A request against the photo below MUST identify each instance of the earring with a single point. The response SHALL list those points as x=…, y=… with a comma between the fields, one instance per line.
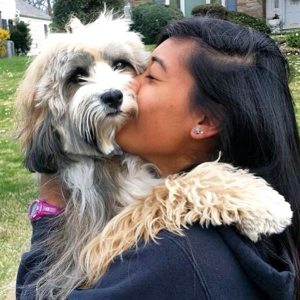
x=197, y=130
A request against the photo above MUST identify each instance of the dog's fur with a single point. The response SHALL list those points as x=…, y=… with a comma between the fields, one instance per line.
x=67, y=129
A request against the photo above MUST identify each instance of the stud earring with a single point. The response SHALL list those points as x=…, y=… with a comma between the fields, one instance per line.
x=197, y=130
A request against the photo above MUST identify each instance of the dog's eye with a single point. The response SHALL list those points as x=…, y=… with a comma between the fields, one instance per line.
x=78, y=74
x=122, y=64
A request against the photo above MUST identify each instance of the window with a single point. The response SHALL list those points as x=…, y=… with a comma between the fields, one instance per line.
x=4, y=24
x=10, y=24
x=46, y=30
x=276, y=3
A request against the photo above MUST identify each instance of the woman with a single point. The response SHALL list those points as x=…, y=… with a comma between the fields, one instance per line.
x=211, y=86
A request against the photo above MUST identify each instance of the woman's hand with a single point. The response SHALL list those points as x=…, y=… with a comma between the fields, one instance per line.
x=51, y=189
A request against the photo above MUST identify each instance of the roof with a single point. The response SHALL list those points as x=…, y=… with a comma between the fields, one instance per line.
x=27, y=10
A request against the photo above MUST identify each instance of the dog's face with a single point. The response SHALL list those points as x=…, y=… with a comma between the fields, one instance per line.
x=76, y=94
x=93, y=86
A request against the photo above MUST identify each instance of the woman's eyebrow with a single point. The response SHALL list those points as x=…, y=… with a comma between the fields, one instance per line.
x=160, y=62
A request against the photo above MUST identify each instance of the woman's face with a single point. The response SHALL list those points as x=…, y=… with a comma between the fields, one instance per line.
x=162, y=131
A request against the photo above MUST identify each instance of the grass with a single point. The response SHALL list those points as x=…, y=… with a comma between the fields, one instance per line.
x=150, y=47
x=18, y=187
x=295, y=83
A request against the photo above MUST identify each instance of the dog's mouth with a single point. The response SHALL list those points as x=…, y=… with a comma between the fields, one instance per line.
x=130, y=114
x=114, y=113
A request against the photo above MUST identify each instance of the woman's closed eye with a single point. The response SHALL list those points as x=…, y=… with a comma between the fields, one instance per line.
x=149, y=76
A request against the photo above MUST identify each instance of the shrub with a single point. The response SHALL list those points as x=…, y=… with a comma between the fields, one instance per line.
x=4, y=35
x=148, y=19
x=20, y=35
x=293, y=39
x=218, y=11
x=246, y=20
x=212, y=10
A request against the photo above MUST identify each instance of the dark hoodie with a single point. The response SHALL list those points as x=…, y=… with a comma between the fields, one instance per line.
x=206, y=263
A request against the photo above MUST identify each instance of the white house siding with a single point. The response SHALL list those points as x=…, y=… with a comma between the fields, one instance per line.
x=37, y=32
x=292, y=14
x=288, y=10
x=8, y=9
x=8, y=12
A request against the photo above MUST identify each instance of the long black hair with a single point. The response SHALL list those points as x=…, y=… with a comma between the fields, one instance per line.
x=241, y=77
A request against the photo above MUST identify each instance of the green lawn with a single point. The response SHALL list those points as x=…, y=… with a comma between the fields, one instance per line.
x=295, y=83
x=17, y=186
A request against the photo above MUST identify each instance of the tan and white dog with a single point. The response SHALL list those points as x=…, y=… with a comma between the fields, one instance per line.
x=74, y=98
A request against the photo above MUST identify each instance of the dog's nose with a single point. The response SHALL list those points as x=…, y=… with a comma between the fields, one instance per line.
x=113, y=98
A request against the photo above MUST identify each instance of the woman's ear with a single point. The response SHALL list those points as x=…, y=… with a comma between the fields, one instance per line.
x=205, y=128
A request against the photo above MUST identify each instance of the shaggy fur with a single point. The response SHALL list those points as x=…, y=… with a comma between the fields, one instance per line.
x=68, y=125
x=211, y=194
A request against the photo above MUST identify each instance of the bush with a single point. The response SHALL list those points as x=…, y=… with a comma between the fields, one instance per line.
x=246, y=20
x=20, y=35
x=293, y=39
x=148, y=19
x=4, y=35
x=212, y=10
x=218, y=11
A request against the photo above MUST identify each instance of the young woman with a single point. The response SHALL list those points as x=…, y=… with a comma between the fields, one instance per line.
x=210, y=86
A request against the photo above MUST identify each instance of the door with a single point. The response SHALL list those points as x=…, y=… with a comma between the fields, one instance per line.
x=231, y=5
x=292, y=14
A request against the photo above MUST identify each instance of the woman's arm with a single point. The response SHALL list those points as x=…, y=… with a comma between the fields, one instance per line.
x=30, y=266
x=51, y=189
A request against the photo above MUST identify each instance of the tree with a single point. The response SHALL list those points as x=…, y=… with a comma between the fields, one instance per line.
x=20, y=35
x=44, y=5
x=86, y=10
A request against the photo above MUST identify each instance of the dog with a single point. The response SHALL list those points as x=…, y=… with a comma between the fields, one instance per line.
x=76, y=95
x=74, y=98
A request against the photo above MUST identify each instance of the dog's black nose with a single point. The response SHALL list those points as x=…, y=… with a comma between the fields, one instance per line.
x=113, y=98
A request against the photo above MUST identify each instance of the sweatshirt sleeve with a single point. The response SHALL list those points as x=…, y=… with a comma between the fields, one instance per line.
x=152, y=271
x=160, y=270
x=28, y=271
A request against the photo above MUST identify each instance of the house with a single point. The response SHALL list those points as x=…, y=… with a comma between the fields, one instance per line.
x=38, y=21
x=288, y=10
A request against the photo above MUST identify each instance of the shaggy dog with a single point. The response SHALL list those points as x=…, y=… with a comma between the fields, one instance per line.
x=75, y=96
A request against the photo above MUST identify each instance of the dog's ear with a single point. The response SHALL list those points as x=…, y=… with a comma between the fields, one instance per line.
x=28, y=113
x=39, y=141
x=44, y=152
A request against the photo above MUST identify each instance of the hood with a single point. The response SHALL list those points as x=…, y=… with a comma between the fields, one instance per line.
x=273, y=274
